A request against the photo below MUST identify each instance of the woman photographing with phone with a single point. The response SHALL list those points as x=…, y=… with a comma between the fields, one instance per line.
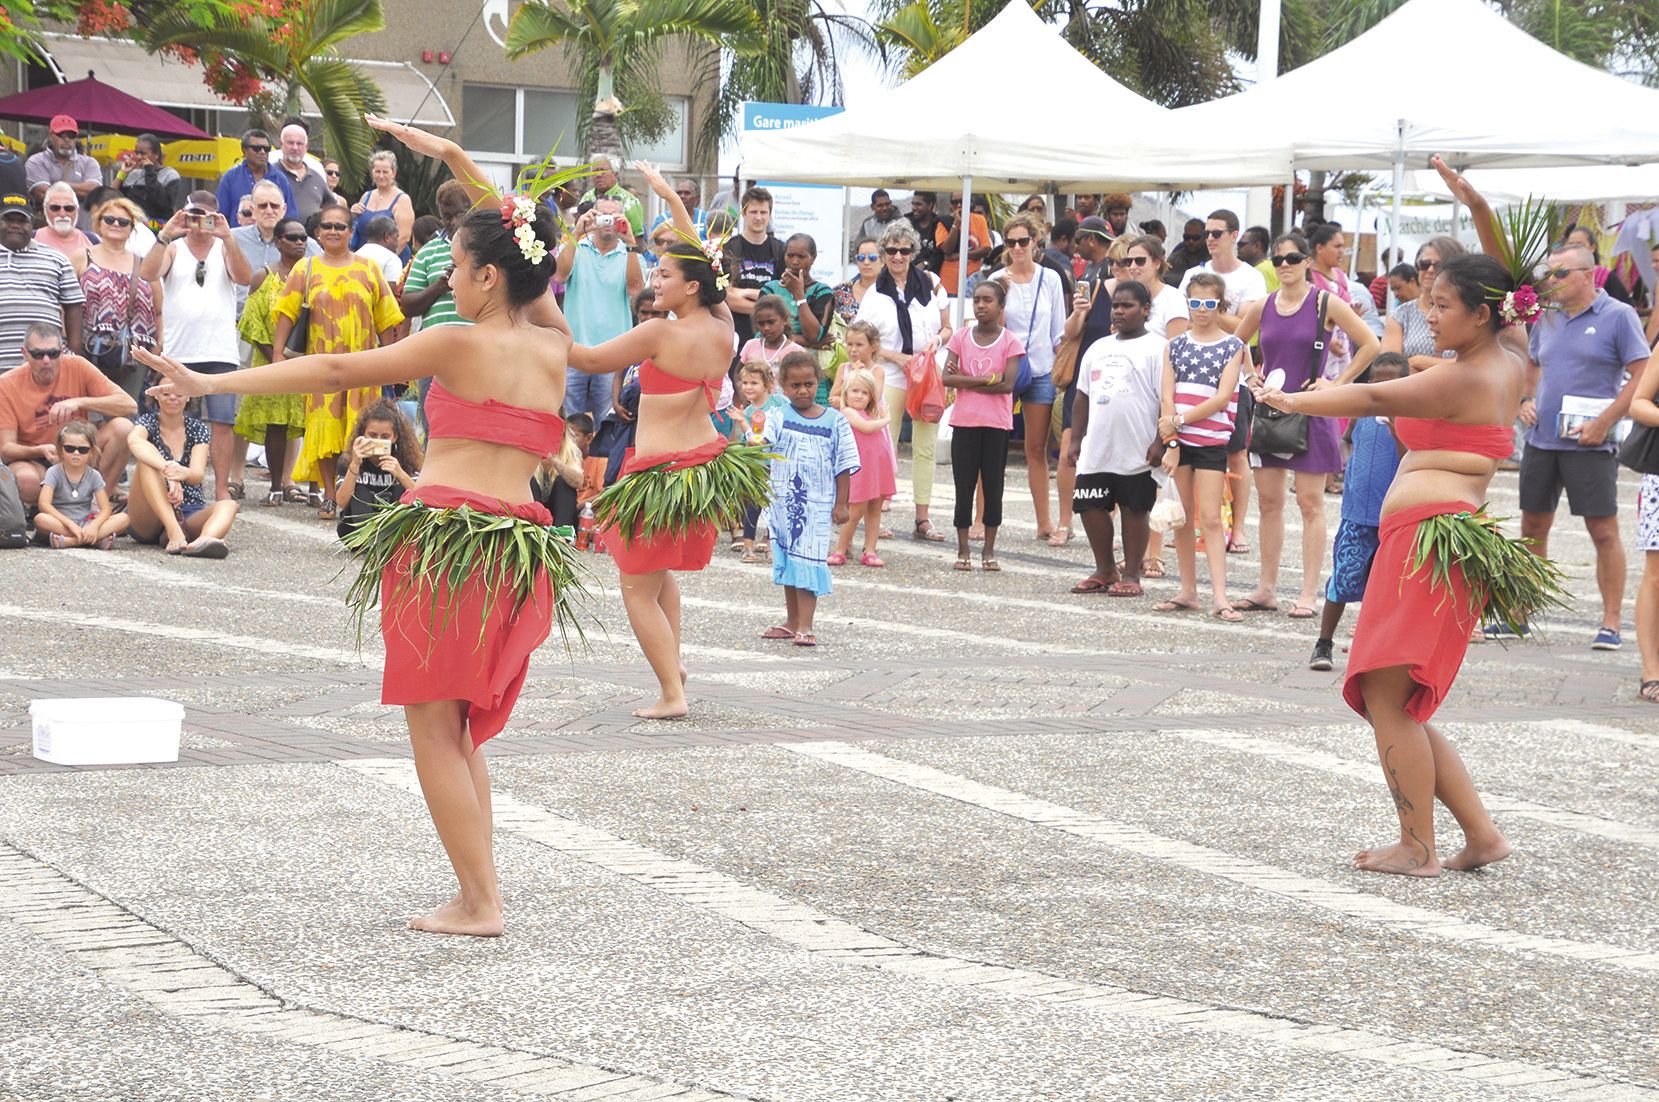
x=1441, y=562
x=464, y=600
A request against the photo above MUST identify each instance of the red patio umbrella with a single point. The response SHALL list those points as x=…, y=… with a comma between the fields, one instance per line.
x=98, y=107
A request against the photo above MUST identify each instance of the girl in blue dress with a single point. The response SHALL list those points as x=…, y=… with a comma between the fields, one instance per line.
x=811, y=479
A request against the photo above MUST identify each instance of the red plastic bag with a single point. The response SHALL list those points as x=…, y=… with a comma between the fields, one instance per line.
x=925, y=399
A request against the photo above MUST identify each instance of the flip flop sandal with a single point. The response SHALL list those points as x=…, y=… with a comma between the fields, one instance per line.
x=805, y=639
x=236, y=491
x=1245, y=604
x=272, y=499
x=1153, y=568
x=1302, y=612
x=206, y=549
x=778, y=632
x=1173, y=606
x=870, y=558
x=1059, y=537
x=749, y=556
x=298, y=496
x=990, y=566
x=1125, y=589
x=963, y=564
x=1091, y=585
x=1228, y=615
x=56, y=541
x=1649, y=691
x=885, y=534
x=924, y=532
x=1238, y=547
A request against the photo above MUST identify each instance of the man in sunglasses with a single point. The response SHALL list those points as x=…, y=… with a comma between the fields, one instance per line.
x=257, y=241
x=1187, y=255
x=1244, y=284
x=1582, y=353
x=50, y=387
x=60, y=231
x=62, y=162
x=37, y=284
x=200, y=266
x=255, y=166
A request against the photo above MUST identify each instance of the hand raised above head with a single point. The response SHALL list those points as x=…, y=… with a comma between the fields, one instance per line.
x=653, y=178
x=417, y=140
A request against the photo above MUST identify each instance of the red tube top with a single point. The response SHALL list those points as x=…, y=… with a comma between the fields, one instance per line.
x=654, y=380
x=1428, y=434
x=453, y=417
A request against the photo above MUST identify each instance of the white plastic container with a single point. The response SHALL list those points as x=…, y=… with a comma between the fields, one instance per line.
x=112, y=730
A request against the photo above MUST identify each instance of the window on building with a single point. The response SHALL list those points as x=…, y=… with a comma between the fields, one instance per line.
x=525, y=124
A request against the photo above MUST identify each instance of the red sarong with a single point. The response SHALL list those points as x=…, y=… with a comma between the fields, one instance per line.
x=453, y=664
x=1411, y=621
x=688, y=549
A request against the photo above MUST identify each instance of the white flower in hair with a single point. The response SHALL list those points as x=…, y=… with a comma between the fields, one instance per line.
x=524, y=208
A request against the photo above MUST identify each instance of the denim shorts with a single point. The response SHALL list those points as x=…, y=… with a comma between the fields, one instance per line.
x=217, y=409
x=1040, y=392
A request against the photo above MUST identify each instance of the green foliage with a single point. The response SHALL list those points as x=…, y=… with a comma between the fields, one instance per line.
x=1527, y=233
x=22, y=20
x=1507, y=583
x=650, y=502
x=437, y=553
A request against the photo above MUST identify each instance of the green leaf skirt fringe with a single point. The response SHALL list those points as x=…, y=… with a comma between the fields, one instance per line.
x=1508, y=584
x=670, y=497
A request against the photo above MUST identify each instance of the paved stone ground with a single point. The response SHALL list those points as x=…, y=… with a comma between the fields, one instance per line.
x=989, y=841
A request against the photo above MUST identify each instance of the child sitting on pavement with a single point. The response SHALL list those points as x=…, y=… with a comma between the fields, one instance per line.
x=74, y=502
x=1365, y=483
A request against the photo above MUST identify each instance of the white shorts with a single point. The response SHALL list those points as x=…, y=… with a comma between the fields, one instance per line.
x=1647, y=514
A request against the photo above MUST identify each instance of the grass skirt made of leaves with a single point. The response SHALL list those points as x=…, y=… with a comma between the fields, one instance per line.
x=468, y=588
x=1439, y=570
x=667, y=510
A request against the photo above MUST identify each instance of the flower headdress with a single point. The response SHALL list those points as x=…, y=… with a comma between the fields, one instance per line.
x=710, y=249
x=1521, y=306
x=518, y=207
x=519, y=213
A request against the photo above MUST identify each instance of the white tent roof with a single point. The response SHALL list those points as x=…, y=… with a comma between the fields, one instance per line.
x=1565, y=184
x=1077, y=130
x=1468, y=110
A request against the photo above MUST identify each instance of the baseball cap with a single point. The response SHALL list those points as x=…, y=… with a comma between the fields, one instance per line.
x=1096, y=225
x=14, y=201
x=62, y=123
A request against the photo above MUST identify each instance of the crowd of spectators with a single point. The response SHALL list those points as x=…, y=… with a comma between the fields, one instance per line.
x=1117, y=360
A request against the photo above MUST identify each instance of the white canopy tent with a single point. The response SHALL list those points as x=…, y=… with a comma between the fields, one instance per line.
x=941, y=130
x=1469, y=112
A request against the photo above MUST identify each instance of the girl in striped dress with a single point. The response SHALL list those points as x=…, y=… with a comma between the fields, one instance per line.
x=1199, y=405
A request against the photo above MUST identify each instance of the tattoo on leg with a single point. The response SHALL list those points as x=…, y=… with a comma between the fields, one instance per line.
x=1427, y=853
x=1401, y=804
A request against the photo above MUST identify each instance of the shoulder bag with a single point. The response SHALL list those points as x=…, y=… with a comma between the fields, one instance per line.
x=1275, y=432
x=1065, y=357
x=110, y=352
x=1640, y=450
x=1022, y=379
x=300, y=333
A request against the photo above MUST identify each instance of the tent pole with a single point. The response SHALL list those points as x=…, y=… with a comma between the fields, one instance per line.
x=1359, y=228
x=1399, y=196
x=962, y=251
x=1290, y=201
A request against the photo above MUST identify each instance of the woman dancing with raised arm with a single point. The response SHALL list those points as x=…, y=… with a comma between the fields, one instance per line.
x=464, y=600
x=681, y=482
x=1428, y=589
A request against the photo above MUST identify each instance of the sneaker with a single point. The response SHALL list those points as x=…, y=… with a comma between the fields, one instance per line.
x=1322, y=655
x=1607, y=639
x=1504, y=631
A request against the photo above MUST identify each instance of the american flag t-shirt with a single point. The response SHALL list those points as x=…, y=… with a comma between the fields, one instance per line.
x=1198, y=370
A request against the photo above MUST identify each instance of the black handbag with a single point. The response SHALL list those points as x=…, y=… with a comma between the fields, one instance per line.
x=1640, y=450
x=1275, y=432
x=297, y=336
x=111, y=352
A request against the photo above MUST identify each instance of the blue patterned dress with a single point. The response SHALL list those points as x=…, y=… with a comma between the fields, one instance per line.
x=815, y=451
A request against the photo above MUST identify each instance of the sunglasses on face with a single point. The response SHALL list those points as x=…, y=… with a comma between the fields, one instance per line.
x=897, y=250
x=245, y=212
x=45, y=353
x=866, y=257
x=76, y=449
x=1216, y=235
x=1427, y=265
x=294, y=237
x=1289, y=258
x=1192, y=237
x=1121, y=262
x=269, y=204
x=336, y=227
x=1203, y=303
x=62, y=208
x=257, y=148
x=112, y=220
x=1017, y=242
x=1136, y=261
x=1562, y=273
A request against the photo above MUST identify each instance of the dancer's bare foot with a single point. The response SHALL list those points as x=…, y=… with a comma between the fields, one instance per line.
x=682, y=673
x=1473, y=855
x=1401, y=858
x=664, y=709
x=455, y=900
x=455, y=917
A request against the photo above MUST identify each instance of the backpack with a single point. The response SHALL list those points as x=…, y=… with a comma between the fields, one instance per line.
x=13, y=521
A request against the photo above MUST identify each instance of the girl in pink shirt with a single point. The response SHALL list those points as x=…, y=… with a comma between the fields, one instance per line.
x=771, y=342
x=983, y=364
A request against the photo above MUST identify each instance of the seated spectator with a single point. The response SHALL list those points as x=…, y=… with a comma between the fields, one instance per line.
x=48, y=389
x=385, y=461
x=63, y=211
x=379, y=238
x=74, y=503
x=559, y=481
x=167, y=498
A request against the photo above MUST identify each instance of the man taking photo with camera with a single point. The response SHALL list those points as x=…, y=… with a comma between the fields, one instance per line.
x=599, y=265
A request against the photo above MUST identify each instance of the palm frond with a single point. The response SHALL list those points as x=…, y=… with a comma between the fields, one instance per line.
x=538, y=25
x=331, y=22
x=342, y=94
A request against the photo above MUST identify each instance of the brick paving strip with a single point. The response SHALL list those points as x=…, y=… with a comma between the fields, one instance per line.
x=1338, y=898
x=828, y=938
x=182, y=982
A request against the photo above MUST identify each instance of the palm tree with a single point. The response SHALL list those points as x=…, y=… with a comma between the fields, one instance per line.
x=795, y=58
x=914, y=39
x=298, y=52
x=612, y=44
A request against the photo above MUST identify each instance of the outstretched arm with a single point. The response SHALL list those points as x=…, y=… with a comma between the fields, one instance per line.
x=1486, y=223
x=683, y=221
x=620, y=353
x=320, y=374
x=1434, y=392
x=430, y=145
